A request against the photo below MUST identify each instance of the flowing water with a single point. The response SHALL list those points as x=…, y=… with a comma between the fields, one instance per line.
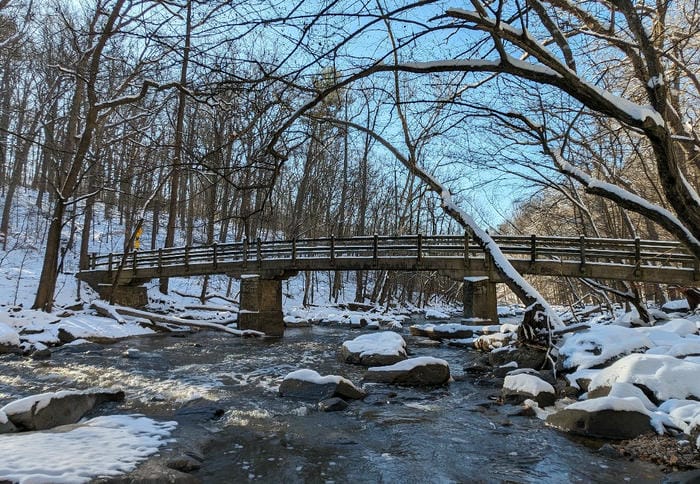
x=452, y=434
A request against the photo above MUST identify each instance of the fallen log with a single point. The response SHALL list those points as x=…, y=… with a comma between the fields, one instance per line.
x=112, y=311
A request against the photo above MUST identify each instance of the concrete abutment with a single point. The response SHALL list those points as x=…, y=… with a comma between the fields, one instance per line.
x=480, y=299
x=261, y=305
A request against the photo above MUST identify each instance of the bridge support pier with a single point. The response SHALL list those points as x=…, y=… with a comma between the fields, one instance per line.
x=261, y=305
x=480, y=299
x=132, y=296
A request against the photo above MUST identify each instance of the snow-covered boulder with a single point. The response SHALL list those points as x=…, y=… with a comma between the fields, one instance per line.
x=376, y=349
x=601, y=344
x=9, y=339
x=421, y=371
x=664, y=376
x=676, y=306
x=524, y=386
x=48, y=410
x=435, y=314
x=309, y=385
x=442, y=331
x=605, y=417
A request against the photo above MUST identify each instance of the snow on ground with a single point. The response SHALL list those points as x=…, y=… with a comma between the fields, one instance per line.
x=593, y=347
x=102, y=446
x=666, y=376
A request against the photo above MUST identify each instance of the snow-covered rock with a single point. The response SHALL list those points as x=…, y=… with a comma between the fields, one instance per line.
x=442, y=331
x=376, y=349
x=435, y=314
x=524, y=386
x=421, y=371
x=665, y=376
x=601, y=344
x=309, y=385
x=605, y=417
x=676, y=306
x=48, y=410
x=9, y=339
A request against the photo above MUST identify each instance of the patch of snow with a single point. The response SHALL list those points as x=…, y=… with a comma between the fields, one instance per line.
x=103, y=446
x=600, y=344
x=619, y=404
x=666, y=376
x=622, y=389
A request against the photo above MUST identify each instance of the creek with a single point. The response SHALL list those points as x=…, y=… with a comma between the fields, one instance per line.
x=453, y=434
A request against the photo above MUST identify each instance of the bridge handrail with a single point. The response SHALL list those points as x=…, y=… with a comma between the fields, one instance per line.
x=635, y=252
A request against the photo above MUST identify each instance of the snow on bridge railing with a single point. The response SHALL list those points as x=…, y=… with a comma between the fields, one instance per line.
x=634, y=252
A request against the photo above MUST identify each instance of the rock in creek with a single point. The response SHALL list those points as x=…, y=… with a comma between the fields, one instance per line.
x=422, y=371
x=309, y=385
x=523, y=356
x=523, y=386
x=334, y=404
x=48, y=410
x=383, y=348
x=605, y=424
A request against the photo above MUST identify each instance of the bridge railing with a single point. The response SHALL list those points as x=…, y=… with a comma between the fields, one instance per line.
x=583, y=250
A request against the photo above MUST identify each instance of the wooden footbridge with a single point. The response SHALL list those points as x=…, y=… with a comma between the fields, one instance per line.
x=262, y=265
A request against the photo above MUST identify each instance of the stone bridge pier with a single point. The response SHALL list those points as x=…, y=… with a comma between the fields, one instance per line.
x=480, y=299
x=261, y=304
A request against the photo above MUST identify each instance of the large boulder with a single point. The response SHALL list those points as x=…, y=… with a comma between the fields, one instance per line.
x=523, y=356
x=48, y=410
x=442, y=331
x=9, y=340
x=309, y=385
x=524, y=386
x=421, y=371
x=606, y=418
x=5, y=425
x=376, y=349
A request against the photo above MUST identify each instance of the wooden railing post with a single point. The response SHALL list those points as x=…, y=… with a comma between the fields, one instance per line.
x=420, y=247
x=110, y=258
x=160, y=260
x=467, y=261
x=187, y=257
x=582, y=250
x=533, y=248
x=294, y=249
x=245, y=250
x=332, y=248
x=215, y=247
x=93, y=260
x=637, y=256
x=375, y=248
x=258, y=243
x=133, y=262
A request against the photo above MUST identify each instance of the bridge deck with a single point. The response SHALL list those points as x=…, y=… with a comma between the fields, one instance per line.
x=458, y=256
